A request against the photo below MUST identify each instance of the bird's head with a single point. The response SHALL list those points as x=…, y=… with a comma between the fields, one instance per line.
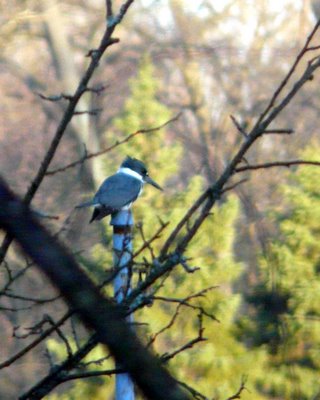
x=139, y=167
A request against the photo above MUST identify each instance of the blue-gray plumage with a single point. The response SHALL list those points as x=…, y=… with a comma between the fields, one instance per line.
x=120, y=190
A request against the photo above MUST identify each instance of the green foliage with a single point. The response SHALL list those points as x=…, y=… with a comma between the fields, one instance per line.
x=287, y=299
x=83, y=388
x=217, y=365
x=142, y=111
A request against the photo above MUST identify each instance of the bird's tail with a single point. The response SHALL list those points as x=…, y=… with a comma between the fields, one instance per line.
x=85, y=204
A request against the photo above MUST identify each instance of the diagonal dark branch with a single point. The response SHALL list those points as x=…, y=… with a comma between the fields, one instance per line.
x=166, y=262
x=96, y=312
x=95, y=55
x=209, y=197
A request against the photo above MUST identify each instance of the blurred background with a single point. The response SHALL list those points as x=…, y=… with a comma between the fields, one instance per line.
x=208, y=60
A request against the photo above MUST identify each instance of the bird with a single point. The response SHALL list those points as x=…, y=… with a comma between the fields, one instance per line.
x=120, y=190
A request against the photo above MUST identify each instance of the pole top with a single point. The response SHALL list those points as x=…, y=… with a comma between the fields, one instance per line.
x=122, y=218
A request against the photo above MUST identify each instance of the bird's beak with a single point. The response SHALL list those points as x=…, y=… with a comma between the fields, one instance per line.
x=147, y=179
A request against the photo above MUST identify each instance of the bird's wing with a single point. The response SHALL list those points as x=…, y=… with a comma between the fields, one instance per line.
x=117, y=191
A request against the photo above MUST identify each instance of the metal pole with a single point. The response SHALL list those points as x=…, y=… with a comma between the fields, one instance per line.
x=122, y=223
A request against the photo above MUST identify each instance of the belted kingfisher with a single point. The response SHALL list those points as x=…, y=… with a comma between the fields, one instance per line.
x=120, y=190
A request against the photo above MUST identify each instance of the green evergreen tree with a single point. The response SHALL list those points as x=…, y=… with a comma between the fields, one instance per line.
x=286, y=302
x=141, y=110
x=216, y=366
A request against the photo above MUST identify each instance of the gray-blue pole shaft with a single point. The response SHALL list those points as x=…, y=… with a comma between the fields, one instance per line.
x=122, y=223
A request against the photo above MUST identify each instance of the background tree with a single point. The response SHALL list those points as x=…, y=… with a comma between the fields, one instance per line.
x=285, y=301
x=210, y=61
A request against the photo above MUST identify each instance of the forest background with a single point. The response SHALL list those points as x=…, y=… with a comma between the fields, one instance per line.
x=210, y=67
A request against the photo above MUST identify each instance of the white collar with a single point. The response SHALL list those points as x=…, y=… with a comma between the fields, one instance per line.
x=130, y=172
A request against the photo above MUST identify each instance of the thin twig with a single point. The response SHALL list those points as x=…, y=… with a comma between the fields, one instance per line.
x=278, y=131
x=242, y=387
x=238, y=126
x=97, y=312
x=276, y=164
x=55, y=98
x=231, y=187
x=284, y=82
x=180, y=225
x=88, y=156
x=194, y=393
x=95, y=111
x=32, y=345
x=109, y=9
x=96, y=55
x=91, y=374
x=213, y=194
x=154, y=237
x=26, y=298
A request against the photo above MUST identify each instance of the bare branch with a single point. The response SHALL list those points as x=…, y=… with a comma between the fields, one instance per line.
x=95, y=111
x=194, y=393
x=186, y=301
x=284, y=82
x=187, y=267
x=181, y=224
x=147, y=243
x=276, y=164
x=236, y=184
x=32, y=345
x=97, y=312
x=238, y=126
x=278, y=131
x=109, y=9
x=312, y=48
x=91, y=374
x=212, y=194
x=240, y=390
x=26, y=298
x=116, y=144
x=42, y=214
x=188, y=345
x=55, y=98
x=105, y=42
